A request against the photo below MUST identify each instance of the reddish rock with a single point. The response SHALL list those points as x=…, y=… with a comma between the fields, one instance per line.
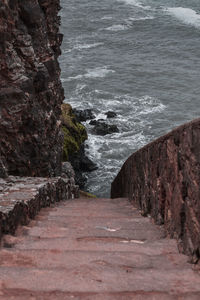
x=163, y=180
x=21, y=198
x=30, y=89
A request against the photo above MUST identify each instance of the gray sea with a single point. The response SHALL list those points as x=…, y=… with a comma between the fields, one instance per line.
x=139, y=58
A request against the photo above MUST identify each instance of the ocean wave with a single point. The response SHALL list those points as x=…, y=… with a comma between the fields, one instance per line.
x=131, y=20
x=128, y=23
x=107, y=18
x=135, y=3
x=80, y=47
x=86, y=46
x=118, y=27
x=99, y=72
x=185, y=15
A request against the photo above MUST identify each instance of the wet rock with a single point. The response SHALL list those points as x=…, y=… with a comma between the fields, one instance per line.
x=93, y=122
x=102, y=128
x=74, y=147
x=81, y=164
x=110, y=114
x=87, y=164
x=96, y=122
x=84, y=115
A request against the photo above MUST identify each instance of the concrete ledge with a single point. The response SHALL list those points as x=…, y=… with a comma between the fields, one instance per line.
x=22, y=197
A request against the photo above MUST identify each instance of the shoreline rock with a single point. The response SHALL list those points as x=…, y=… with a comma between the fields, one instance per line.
x=83, y=115
x=110, y=114
x=102, y=128
x=75, y=135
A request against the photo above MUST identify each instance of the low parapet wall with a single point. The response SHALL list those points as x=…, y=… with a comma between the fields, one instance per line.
x=163, y=180
x=22, y=197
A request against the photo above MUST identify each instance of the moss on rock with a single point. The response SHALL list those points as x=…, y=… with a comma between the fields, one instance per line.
x=86, y=194
x=74, y=132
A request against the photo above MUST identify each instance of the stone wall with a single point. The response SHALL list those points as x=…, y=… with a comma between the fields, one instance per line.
x=22, y=197
x=30, y=89
x=163, y=180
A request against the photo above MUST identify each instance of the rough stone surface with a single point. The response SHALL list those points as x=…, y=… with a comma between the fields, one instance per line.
x=84, y=115
x=3, y=171
x=94, y=249
x=30, y=89
x=163, y=179
x=110, y=114
x=22, y=197
x=102, y=128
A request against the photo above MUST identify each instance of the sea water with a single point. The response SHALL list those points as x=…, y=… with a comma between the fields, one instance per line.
x=139, y=58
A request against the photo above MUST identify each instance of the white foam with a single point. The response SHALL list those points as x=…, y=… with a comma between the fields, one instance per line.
x=107, y=18
x=99, y=72
x=135, y=3
x=185, y=15
x=118, y=27
x=149, y=105
x=135, y=19
x=86, y=46
x=80, y=47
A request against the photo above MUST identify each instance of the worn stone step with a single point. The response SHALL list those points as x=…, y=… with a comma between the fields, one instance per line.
x=94, y=249
x=138, y=295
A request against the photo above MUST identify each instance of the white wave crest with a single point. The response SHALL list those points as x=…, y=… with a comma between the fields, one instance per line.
x=118, y=27
x=135, y=3
x=99, y=72
x=80, y=47
x=86, y=46
x=107, y=18
x=185, y=15
x=135, y=19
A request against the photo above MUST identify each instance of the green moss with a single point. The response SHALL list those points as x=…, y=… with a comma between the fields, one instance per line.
x=74, y=132
x=70, y=144
x=87, y=195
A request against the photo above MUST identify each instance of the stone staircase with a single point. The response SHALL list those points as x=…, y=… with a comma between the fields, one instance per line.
x=94, y=249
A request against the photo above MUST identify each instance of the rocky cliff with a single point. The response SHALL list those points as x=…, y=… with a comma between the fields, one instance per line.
x=30, y=89
x=163, y=180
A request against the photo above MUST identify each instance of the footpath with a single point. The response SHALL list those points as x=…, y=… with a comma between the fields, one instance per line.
x=94, y=249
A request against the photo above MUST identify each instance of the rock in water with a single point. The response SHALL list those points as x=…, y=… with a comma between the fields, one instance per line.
x=110, y=114
x=84, y=115
x=102, y=128
x=74, y=148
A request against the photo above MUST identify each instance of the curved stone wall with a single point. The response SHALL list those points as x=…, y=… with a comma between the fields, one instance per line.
x=163, y=180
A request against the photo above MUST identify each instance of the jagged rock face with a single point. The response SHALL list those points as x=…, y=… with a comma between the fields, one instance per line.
x=30, y=89
x=163, y=179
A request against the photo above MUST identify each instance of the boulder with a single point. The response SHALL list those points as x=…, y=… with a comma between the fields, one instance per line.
x=102, y=128
x=83, y=115
x=110, y=114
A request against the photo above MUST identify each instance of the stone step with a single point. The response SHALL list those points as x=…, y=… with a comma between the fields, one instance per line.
x=94, y=249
